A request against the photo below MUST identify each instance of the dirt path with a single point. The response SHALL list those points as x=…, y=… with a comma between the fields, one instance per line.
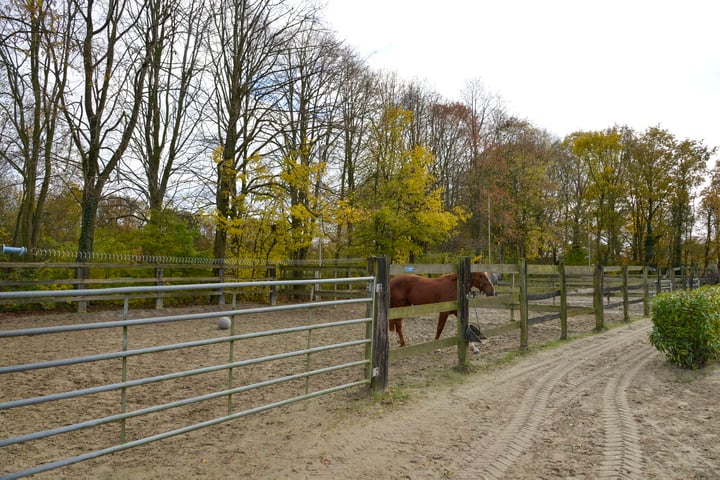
x=584, y=410
x=562, y=413
x=605, y=406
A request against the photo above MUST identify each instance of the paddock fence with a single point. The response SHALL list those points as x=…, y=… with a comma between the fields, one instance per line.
x=120, y=382
x=128, y=375
x=528, y=294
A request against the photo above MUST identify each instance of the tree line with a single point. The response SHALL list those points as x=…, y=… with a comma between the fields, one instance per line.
x=247, y=128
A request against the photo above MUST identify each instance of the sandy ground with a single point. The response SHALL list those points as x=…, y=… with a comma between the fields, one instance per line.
x=598, y=406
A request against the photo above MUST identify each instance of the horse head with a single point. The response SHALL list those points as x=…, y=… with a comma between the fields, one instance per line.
x=481, y=281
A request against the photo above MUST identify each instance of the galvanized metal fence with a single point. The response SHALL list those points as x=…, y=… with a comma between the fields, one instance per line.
x=355, y=363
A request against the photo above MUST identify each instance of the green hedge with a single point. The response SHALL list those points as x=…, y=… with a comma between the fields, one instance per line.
x=686, y=326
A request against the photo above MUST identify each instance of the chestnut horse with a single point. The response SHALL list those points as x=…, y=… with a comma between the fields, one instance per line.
x=411, y=289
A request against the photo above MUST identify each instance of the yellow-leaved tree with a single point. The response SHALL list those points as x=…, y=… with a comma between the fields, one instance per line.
x=397, y=210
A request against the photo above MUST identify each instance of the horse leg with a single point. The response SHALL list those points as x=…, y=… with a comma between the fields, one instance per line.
x=398, y=329
x=396, y=326
x=441, y=324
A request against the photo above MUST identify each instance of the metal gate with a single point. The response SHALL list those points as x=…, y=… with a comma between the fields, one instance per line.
x=123, y=379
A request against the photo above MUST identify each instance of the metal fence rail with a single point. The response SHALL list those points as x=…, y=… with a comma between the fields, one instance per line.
x=231, y=341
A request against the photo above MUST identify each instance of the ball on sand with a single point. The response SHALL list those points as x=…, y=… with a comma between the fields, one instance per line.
x=223, y=323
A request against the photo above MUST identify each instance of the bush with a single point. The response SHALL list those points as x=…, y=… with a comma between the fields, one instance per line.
x=686, y=326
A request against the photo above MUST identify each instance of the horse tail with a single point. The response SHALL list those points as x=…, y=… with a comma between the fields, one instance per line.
x=392, y=326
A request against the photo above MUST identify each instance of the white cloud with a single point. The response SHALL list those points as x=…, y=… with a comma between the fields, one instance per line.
x=565, y=65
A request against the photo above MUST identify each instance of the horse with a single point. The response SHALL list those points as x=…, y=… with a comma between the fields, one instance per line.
x=410, y=289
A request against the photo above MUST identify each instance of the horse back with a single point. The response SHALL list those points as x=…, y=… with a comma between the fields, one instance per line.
x=411, y=289
x=400, y=288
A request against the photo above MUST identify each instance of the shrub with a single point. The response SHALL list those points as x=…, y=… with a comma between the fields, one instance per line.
x=686, y=326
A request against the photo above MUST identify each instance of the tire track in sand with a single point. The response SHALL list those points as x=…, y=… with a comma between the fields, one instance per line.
x=433, y=438
x=622, y=452
x=535, y=407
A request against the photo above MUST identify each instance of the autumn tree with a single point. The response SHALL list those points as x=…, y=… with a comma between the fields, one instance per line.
x=250, y=37
x=651, y=160
x=517, y=169
x=690, y=160
x=605, y=159
x=307, y=133
x=399, y=211
x=8, y=207
x=60, y=226
x=570, y=175
x=709, y=213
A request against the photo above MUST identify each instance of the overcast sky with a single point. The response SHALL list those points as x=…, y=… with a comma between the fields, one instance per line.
x=564, y=65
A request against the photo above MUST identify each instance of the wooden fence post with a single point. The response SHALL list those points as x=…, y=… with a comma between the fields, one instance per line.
x=671, y=275
x=598, y=306
x=81, y=273
x=158, y=283
x=379, y=267
x=563, y=302
x=272, y=275
x=463, y=311
x=523, y=280
x=646, y=292
x=221, y=279
x=626, y=300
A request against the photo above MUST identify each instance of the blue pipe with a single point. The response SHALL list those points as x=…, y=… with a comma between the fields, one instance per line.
x=16, y=250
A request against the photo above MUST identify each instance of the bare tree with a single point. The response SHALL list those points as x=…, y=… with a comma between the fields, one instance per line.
x=34, y=55
x=358, y=98
x=486, y=115
x=103, y=116
x=165, y=142
x=449, y=140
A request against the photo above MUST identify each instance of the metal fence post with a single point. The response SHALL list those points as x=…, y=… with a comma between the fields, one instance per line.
x=221, y=279
x=81, y=273
x=272, y=275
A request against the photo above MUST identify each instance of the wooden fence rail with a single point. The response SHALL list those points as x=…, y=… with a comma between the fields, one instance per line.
x=525, y=288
